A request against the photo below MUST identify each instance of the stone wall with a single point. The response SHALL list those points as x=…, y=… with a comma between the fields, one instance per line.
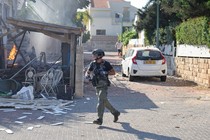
x=194, y=69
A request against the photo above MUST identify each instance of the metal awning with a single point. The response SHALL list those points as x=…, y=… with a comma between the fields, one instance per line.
x=53, y=30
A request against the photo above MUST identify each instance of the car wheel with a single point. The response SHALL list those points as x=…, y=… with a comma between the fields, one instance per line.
x=130, y=77
x=163, y=78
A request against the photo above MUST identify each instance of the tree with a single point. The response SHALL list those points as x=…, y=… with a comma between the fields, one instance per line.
x=186, y=9
x=127, y=35
x=81, y=18
x=147, y=21
x=172, y=12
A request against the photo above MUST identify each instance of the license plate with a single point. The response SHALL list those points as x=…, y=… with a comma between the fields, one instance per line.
x=149, y=62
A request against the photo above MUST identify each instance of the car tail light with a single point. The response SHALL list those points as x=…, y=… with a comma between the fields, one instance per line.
x=134, y=60
x=163, y=59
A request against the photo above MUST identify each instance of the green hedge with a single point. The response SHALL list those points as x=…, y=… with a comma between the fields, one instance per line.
x=194, y=31
x=127, y=35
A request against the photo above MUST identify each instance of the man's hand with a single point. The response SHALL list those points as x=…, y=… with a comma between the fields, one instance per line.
x=87, y=75
x=87, y=78
x=111, y=72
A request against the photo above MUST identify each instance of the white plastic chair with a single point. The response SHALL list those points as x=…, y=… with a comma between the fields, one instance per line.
x=46, y=82
x=57, y=78
x=30, y=78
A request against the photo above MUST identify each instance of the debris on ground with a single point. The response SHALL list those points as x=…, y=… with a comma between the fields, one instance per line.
x=36, y=104
x=53, y=107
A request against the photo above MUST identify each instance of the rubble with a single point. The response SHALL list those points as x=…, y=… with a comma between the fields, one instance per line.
x=52, y=106
x=40, y=117
x=9, y=131
x=22, y=117
x=55, y=124
x=18, y=122
x=30, y=128
x=36, y=104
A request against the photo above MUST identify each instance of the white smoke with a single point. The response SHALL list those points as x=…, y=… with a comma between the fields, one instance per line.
x=59, y=12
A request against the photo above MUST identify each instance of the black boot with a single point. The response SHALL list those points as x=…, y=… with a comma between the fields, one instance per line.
x=116, y=115
x=98, y=121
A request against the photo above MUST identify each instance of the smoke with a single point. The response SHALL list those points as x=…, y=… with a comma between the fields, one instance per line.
x=59, y=12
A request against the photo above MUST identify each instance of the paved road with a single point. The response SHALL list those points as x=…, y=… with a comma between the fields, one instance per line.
x=150, y=110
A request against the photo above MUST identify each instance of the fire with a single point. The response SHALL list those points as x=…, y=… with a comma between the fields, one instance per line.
x=12, y=53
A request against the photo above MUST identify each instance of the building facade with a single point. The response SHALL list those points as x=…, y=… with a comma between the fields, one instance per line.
x=110, y=19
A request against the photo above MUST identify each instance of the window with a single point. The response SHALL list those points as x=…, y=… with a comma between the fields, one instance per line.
x=129, y=53
x=149, y=55
x=117, y=15
x=100, y=32
x=118, y=18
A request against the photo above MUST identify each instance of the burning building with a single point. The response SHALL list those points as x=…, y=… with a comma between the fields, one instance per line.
x=53, y=28
x=67, y=35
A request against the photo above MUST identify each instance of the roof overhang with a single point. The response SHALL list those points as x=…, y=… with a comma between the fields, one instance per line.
x=53, y=30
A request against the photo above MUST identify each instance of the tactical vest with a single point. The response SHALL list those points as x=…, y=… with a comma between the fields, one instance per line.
x=100, y=76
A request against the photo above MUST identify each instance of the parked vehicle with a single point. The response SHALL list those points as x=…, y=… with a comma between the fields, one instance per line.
x=145, y=62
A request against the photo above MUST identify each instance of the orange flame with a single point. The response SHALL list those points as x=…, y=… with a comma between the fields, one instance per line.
x=12, y=53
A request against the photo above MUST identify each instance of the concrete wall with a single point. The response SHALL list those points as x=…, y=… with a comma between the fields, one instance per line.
x=107, y=43
x=193, y=51
x=79, y=79
x=194, y=69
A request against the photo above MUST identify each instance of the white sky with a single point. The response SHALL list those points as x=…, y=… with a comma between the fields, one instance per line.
x=138, y=3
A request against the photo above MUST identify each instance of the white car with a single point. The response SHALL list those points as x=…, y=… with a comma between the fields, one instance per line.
x=144, y=61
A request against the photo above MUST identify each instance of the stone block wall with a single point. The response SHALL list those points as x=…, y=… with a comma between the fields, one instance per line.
x=194, y=69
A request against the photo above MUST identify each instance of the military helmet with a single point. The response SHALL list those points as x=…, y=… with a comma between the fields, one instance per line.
x=99, y=53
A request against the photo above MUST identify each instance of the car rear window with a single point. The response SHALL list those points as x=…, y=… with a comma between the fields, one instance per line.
x=148, y=55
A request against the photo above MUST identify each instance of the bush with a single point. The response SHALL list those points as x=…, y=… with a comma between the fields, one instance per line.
x=194, y=32
x=127, y=35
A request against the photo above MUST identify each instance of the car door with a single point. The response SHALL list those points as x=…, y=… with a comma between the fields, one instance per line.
x=126, y=61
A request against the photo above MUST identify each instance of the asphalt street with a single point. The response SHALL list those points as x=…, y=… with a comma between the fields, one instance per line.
x=150, y=110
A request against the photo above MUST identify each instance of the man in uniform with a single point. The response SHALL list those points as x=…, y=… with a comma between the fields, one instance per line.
x=100, y=70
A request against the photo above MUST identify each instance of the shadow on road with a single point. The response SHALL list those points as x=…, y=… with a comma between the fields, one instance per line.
x=171, y=81
x=119, y=94
x=140, y=134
